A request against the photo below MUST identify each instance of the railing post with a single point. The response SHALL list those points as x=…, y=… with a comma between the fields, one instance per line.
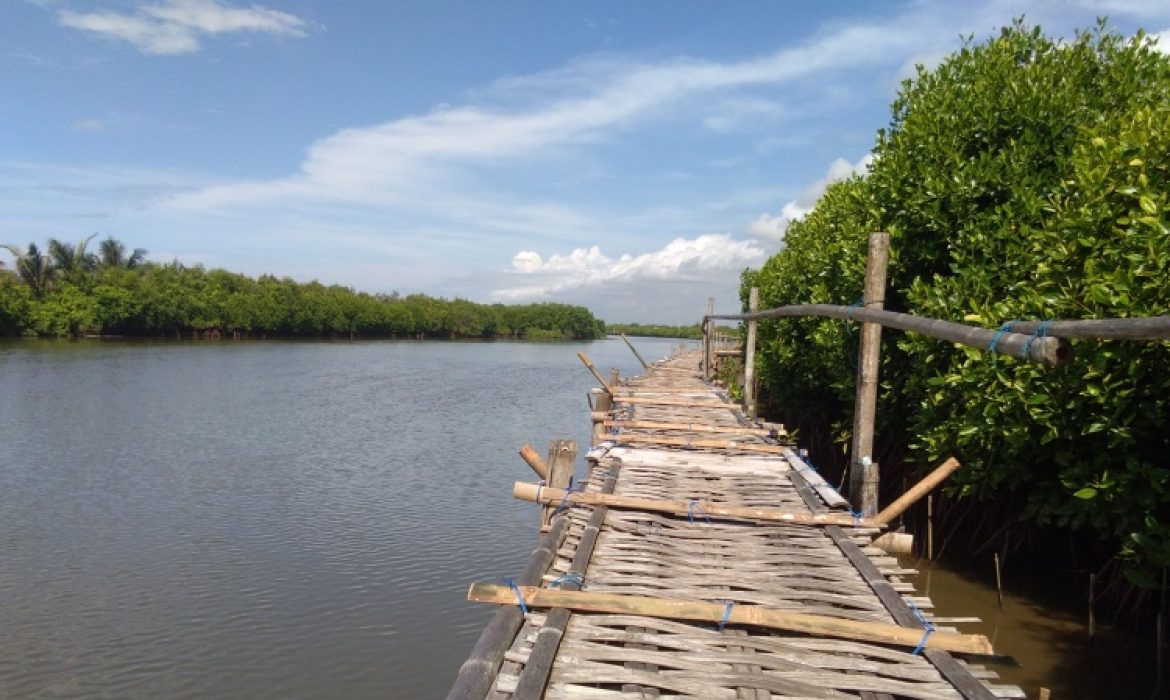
x=708, y=338
x=749, y=359
x=864, y=474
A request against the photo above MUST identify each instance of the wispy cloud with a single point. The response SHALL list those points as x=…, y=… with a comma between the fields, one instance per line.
x=702, y=257
x=176, y=26
x=771, y=228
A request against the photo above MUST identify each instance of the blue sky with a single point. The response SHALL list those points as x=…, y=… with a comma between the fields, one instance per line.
x=629, y=156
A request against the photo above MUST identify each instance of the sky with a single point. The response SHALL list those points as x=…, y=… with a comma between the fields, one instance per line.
x=633, y=157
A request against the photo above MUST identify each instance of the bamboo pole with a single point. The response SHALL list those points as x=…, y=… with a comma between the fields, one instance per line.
x=916, y=492
x=532, y=458
x=708, y=339
x=1046, y=349
x=863, y=487
x=597, y=375
x=1150, y=328
x=537, y=493
x=692, y=427
x=603, y=405
x=635, y=351
x=754, y=615
x=673, y=402
x=749, y=358
x=700, y=442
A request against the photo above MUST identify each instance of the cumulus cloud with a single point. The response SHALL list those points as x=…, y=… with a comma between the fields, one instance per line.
x=175, y=26
x=771, y=228
x=1163, y=40
x=705, y=256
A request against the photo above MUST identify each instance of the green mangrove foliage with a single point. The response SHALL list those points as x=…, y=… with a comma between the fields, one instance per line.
x=69, y=291
x=1023, y=178
x=650, y=330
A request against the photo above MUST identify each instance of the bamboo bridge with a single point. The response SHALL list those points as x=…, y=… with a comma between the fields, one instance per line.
x=703, y=557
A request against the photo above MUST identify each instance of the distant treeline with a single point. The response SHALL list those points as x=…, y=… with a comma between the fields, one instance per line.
x=67, y=291
x=655, y=331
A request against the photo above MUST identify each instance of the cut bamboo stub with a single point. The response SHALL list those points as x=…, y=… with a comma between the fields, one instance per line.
x=696, y=509
x=755, y=615
x=916, y=492
x=532, y=458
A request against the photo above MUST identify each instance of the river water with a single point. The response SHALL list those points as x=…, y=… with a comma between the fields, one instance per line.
x=267, y=519
x=302, y=519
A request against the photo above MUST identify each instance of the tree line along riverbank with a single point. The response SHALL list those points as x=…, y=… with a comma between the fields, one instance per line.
x=66, y=290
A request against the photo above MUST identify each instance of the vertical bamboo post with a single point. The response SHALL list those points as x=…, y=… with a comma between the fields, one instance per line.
x=708, y=338
x=614, y=377
x=602, y=406
x=635, y=351
x=562, y=454
x=998, y=582
x=930, y=528
x=749, y=357
x=863, y=482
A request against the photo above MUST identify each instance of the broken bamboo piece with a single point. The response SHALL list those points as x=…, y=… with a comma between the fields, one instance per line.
x=545, y=495
x=597, y=375
x=727, y=613
x=532, y=458
x=916, y=492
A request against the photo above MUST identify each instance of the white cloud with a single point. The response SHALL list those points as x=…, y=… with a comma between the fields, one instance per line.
x=1163, y=40
x=175, y=26
x=584, y=103
x=772, y=228
x=706, y=256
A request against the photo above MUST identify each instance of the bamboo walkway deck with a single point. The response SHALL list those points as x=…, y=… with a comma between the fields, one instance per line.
x=830, y=571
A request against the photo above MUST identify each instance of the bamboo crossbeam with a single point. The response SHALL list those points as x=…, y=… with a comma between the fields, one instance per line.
x=699, y=442
x=537, y=493
x=1047, y=349
x=689, y=427
x=754, y=615
x=635, y=389
x=682, y=403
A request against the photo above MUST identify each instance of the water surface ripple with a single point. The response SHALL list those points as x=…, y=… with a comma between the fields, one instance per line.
x=266, y=519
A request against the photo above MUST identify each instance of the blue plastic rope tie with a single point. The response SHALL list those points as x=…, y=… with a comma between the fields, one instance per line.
x=570, y=577
x=691, y=506
x=726, y=614
x=927, y=628
x=856, y=517
x=1040, y=332
x=519, y=596
x=539, y=488
x=1005, y=328
x=568, y=492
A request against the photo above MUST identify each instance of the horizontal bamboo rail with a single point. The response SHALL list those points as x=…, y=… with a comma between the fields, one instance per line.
x=690, y=427
x=682, y=403
x=725, y=613
x=1048, y=349
x=635, y=438
x=1150, y=328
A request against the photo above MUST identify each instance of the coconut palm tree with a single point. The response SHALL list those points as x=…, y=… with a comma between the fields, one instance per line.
x=34, y=267
x=112, y=253
x=71, y=260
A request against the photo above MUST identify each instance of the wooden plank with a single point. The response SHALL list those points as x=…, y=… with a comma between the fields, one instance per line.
x=754, y=615
x=695, y=508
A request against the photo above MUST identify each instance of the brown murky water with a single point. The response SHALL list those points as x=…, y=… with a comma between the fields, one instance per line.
x=1043, y=626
